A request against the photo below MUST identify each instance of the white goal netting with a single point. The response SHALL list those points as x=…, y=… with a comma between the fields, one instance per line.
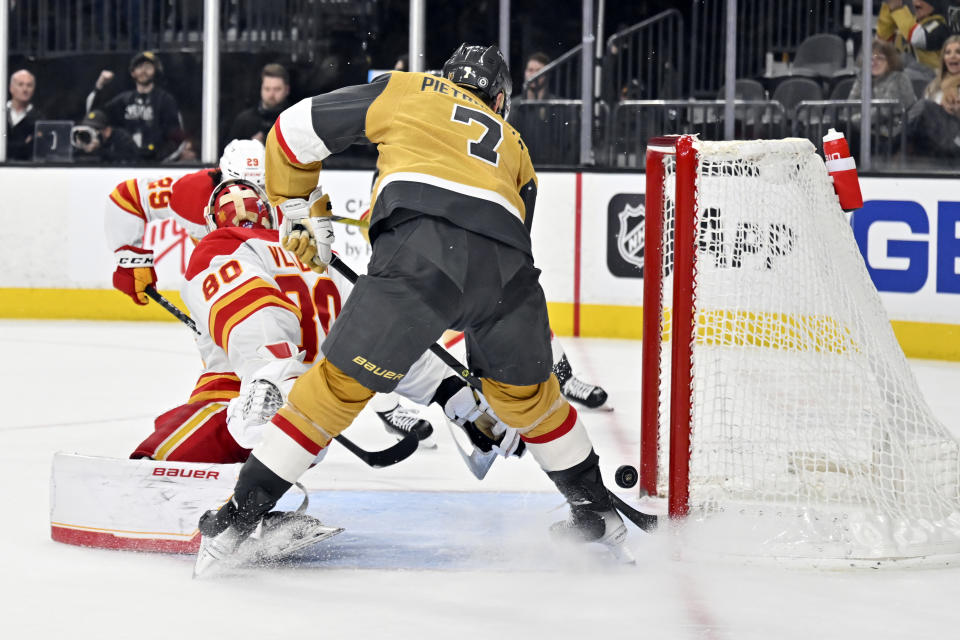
x=807, y=423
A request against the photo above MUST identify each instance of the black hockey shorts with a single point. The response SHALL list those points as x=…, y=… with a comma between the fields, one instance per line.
x=426, y=276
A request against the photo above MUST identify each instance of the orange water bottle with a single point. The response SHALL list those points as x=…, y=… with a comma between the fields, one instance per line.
x=843, y=169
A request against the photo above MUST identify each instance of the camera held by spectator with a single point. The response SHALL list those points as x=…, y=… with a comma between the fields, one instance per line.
x=86, y=136
x=97, y=140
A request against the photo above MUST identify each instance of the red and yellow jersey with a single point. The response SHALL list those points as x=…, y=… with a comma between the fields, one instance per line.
x=442, y=152
x=134, y=203
x=246, y=291
x=131, y=205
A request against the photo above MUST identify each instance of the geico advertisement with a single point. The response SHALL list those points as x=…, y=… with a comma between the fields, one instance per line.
x=908, y=232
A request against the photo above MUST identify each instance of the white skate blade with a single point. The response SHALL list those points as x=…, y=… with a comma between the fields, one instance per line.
x=263, y=546
x=203, y=563
x=616, y=543
x=283, y=535
x=274, y=550
x=621, y=554
x=215, y=552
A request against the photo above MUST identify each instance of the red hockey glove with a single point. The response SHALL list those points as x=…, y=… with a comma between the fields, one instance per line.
x=134, y=272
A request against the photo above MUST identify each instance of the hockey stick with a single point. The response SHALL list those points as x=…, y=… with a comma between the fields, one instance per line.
x=437, y=350
x=479, y=462
x=402, y=450
x=157, y=297
x=645, y=521
x=353, y=222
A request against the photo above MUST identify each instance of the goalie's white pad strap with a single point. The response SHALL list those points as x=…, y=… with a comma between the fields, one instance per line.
x=145, y=505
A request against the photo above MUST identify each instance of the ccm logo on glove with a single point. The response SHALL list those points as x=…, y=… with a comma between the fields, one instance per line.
x=134, y=261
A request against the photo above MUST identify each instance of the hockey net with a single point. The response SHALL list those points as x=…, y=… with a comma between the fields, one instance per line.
x=786, y=403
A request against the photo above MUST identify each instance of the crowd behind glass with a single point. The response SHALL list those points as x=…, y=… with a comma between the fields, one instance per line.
x=132, y=117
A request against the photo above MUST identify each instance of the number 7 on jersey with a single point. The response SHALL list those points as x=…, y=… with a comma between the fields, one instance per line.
x=486, y=147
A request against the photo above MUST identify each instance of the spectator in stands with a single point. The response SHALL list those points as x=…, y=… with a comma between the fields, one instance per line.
x=924, y=31
x=96, y=141
x=21, y=116
x=544, y=127
x=889, y=82
x=536, y=90
x=402, y=63
x=255, y=123
x=934, y=122
x=148, y=113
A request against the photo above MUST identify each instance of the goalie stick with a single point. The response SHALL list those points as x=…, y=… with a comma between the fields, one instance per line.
x=402, y=450
x=479, y=462
x=157, y=297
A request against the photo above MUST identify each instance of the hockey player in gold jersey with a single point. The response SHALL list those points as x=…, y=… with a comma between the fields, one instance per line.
x=451, y=210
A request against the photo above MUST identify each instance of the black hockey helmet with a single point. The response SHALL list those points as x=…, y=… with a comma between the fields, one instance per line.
x=482, y=70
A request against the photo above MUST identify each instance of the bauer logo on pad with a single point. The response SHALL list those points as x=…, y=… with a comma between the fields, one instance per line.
x=625, y=216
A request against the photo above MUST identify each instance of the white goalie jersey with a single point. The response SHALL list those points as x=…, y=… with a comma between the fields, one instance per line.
x=263, y=315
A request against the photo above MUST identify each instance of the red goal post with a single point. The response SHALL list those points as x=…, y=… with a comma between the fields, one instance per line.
x=681, y=147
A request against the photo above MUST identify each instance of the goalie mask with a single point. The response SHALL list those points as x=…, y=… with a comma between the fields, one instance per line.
x=483, y=70
x=239, y=203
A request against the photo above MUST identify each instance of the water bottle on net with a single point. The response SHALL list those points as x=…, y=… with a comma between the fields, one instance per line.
x=843, y=169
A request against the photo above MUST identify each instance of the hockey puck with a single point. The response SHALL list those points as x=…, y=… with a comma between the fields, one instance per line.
x=626, y=476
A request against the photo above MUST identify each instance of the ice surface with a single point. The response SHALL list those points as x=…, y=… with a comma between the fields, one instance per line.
x=429, y=552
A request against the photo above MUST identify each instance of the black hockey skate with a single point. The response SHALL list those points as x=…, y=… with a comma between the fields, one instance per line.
x=593, y=516
x=400, y=421
x=230, y=537
x=576, y=390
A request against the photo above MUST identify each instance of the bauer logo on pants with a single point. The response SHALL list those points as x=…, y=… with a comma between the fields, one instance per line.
x=625, y=216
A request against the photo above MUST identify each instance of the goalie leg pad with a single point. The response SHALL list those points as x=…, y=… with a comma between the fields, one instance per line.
x=193, y=432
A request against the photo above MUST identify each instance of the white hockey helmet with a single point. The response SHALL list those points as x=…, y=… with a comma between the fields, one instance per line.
x=236, y=202
x=244, y=160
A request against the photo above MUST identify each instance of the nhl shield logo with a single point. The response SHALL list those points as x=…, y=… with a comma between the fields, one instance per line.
x=625, y=225
x=630, y=234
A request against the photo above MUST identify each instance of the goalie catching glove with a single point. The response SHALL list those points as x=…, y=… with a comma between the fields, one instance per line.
x=471, y=412
x=134, y=272
x=263, y=391
x=307, y=229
